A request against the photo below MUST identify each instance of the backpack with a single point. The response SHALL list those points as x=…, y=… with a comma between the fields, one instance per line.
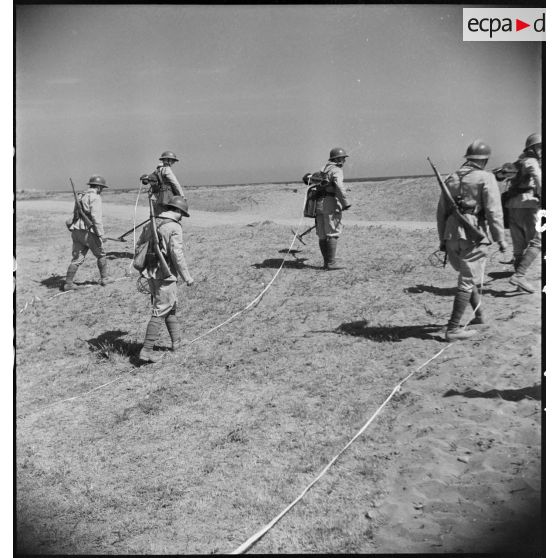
x=162, y=190
x=318, y=181
x=145, y=256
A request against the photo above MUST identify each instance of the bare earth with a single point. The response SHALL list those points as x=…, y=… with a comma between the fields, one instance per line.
x=196, y=454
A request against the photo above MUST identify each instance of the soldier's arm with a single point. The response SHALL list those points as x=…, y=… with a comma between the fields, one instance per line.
x=94, y=207
x=492, y=206
x=171, y=178
x=340, y=190
x=176, y=249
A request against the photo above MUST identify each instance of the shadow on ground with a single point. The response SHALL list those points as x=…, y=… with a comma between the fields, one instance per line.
x=500, y=274
x=438, y=291
x=111, y=342
x=119, y=255
x=533, y=392
x=389, y=333
x=54, y=282
x=275, y=263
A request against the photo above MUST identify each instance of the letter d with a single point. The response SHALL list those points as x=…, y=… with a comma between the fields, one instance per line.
x=536, y=25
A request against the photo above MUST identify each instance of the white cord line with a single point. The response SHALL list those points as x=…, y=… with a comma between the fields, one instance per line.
x=80, y=395
x=258, y=297
x=200, y=336
x=135, y=212
x=246, y=545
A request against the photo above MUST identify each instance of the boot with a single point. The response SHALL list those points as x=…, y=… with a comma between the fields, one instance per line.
x=323, y=249
x=70, y=274
x=518, y=278
x=331, y=250
x=152, y=333
x=173, y=328
x=102, y=265
x=454, y=332
x=149, y=356
x=476, y=303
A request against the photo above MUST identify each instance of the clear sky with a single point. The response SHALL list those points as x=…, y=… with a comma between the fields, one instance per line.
x=261, y=93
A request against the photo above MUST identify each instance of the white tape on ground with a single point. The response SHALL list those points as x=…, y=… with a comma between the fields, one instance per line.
x=259, y=297
x=249, y=542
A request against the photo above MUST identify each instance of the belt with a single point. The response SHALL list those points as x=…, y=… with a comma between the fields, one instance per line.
x=323, y=195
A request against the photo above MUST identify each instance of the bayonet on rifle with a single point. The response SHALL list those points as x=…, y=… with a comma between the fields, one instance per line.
x=476, y=235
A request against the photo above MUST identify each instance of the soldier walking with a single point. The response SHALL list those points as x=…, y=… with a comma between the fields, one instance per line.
x=476, y=193
x=331, y=201
x=524, y=204
x=164, y=290
x=84, y=237
x=164, y=184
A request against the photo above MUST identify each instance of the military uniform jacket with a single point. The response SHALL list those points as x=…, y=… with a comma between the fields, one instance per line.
x=332, y=204
x=172, y=247
x=531, y=184
x=92, y=206
x=480, y=196
x=171, y=181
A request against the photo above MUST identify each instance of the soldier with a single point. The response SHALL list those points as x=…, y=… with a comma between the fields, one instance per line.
x=331, y=202
x=164, y=291
x=164, y=183
x=524, y=203
x=478, y=197
x=85, y=238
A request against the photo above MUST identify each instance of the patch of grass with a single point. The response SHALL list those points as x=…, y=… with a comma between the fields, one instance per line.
x=197, y=452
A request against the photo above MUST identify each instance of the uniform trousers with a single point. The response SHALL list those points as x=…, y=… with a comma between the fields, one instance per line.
x=523, y=228
x=469, y=260
x=163, y=296
x=82, y=242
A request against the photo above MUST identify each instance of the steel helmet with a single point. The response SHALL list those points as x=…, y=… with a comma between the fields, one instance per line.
x=306, y=178
x=478, y=150
x=532, y=140
x=168, y=155
x=180, y=203
x=337, y=153
x=97, y=180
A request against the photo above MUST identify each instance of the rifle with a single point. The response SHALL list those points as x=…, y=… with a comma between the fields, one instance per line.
x=164, y=266
x=83, y=216
x=476, y=235
x=121, y=237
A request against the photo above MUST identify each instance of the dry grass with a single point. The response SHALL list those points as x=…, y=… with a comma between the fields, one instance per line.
x=196, y=453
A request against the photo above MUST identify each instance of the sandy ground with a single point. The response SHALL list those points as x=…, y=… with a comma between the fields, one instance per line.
x=207, y=218
x=465, y=437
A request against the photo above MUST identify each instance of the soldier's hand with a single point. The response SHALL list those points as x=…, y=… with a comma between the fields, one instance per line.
x=502, y=245
x=442, y=246
x=189, y=281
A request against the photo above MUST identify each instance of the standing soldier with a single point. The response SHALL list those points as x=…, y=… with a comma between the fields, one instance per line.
x=331, y=201
x=164, y=184
x=524, y=204
x=476, y=193
x=89, y=236
x=163, y=290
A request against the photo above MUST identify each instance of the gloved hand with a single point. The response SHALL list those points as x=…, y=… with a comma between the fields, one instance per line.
x=442, y=246
x=502, y=245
